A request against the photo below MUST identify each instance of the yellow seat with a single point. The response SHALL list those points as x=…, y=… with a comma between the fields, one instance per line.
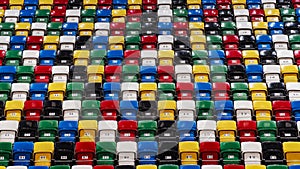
x=134, y=4
x=194, y=4
x=81, y=57
x=289, y=73
x=254, y=166
x=90, y=4
x=148, y=91
x=146, y=167
x=226, y=130
x=239, y=4
x=260, y=28
x=2, y=167
x=198, y=42
x=46, y=4
x=263, y=110
x=196, y=28
x=51, y=42
x=86, y=28
x=116, y=42
x=56, y=91
x=1, y=15
x=201, y=73
x=87, y=130
x=16, y=4
x=95, y=73
x=189, y=152
x=13, y=110
x=165, y=57
x=272, y=15
x=292, y=152
x=167, y=109
x=118, y=15
x=22, y=29
x=42, y=153
x=258, y=91
x=251, y=57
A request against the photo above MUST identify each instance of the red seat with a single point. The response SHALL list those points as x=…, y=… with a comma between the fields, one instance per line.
x=181, y=28
x=127, y=130
x=60, y=4
x=221, y=91
x=104, y=4
x=34, y=42
x=257, y=15
x=4, y=4
x=110, y=109
x=134, y=15
x=282, y=110
x=247, y=130
x=165, y=73
x=210, y=15
x=233, y=166
x=150, y=5
x=104, y=167
x=112, y=73
x=131, y=57
x=231, y=42
x=210, y=152
x=43, y=74
x=32, y=109
x=117, y=29
x=185, y=91
x=297, y=56
x=296, y=3
x=2, y=56
x=224, y=4
x=85, y=153
x=234, y=57
x=58, y=15
x=149, y=41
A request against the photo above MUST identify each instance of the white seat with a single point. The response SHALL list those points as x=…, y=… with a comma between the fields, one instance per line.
x=293, y=89
x=243, y=110
x=272, y=73
x=8, y=130
x=71, y=110
x=82, y=167
x=11, y=15
x=280, y=42
x=164, y=4
x=130, y=91
x=285, y=57
x=212, y=167
x=126, y=153
x=251, y=152
x=241, y=15
x=30, y=57
x=164, y=15
x=149, y=57
x=19, y=91
x=165, y=42
x=16, y=167
x=107, y=130
x=183, y=73
x=102, y=28
x=67, y=42
x=207, y=130
x=268, y=4
x=4, y=43
x=186, y=110
x=38, y=29
x=73, y=15
x=244, y=28
x=60, y=73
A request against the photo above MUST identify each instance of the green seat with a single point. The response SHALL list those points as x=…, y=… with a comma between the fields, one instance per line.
x=88, y=15
x=228, y=28
x=25, y=74
x=267, y=130
x=287, y=14
x=130, y=73
x=7, y=29
x=5, y=153
x=166, y=91
x=133, y=28
x=147, y=130
x=239, y=91
x=200, y=57
x=231, y=152
x=90, y=109
x=4, y=91
x=42, y=15
x=98, y=57
x=48, y=130
x=13, y=57
x=218, y=73
x=180, y=15
x=168, y=166
x=214, y=42
x=105, y=153
x=132, y=42
x=75, y=90
x=60, y=167
x=277, y=166
x=54, y=28
x=295, y=41
x=205, y=109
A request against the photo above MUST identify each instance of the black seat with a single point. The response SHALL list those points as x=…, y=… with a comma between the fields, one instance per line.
x=168, y=152
x=52, y=110
x=182, y=43
x=268, y=57
x=64, y=58
x=83, y=43
x=183, y=57
x=236, y=73
x=147, y=110
x=78, y=73
x=226, y=15
x=272, y=152
x=287, y=130
x=167, y=130
x=63, y=153
x=212, y=28
x=277, y=91
x=74, y=4
x=93, y=91
x=283, y=4
x=247, y=42
x=27, y=130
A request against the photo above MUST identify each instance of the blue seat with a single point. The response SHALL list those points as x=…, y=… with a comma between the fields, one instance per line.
x=275, y=28
x=216, y=57
x=47, y=57
x=189, y=167
x=298, y=14
x=296, y=109
x=209, y=4
x=38, y=91
x=27, y=15
x=253, y=4
x=254, y=73
x=203, y=91
x=147, y=152
x=264, y=42
x=70, y=29
x=148, y=73
x=38, y=167
x=224, y=109
x=115, y=57
x=187, y=130
x=100, y=42
x=67, y=131
x=294, y=167
x=103, y=15
x=17, y=42
x=111, y=90
x=31, y=4
x=7, y=73
x=22, y=152
x=120, y=4
x=128, y=109
x=165, y=28
x=195, y=15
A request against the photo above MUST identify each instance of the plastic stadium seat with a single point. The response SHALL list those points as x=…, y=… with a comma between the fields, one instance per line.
x=22, y=152
x=203, y=90
x=87, y=130
x=184, y=91
x=38, y=91
x=166, y=110
x=188, y=149
x=84, y=153
x=267, y=130
x=107, y=131
x=231, y=152
x=167, y=153
x=147, y=110
x=212, y=167
x=247, y=130
x=227, y=130
x=64, y=152
x=148, y=149
x=252, y=149
x=273, y=153
x=210, y=152
x=110, y=109
x=147, y=130
x=127, y=153
x=287, y=130
x=104, y=167
x=32, y=109
x=146, y=167
x=282, y=110
x=67, y=130
x=105, y=153
x=48, y=130
x=288, y=149
x=13, y=110
x=111, y=90
x=42, y=153
x=243, y=110
x=186, y=130
x=166, y=91
x=233, y=166
x=127, y=130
